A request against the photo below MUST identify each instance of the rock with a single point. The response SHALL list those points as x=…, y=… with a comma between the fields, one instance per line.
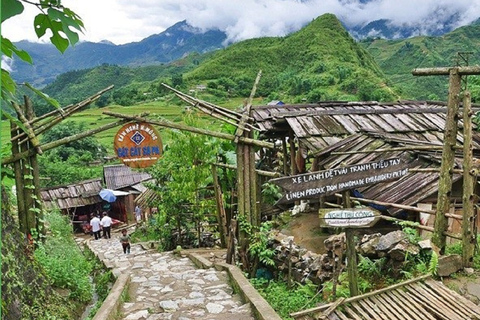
x=469, y=270
x=388, y=241
x=401, y=249
x=425, y=244
x=369, y=244
x=449, y=264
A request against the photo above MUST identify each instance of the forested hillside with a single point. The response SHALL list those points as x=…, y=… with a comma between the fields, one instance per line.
x=397, y=59
x=319, y=62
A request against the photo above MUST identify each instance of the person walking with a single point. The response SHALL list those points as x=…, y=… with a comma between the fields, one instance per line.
x=106, y=225
x=125, y=240
x=95, y=223
x=138, y=214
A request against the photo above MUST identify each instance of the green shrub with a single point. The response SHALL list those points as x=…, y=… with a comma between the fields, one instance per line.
x=62, y=259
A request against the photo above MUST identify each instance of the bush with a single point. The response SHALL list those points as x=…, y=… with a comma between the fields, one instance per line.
x=62, y=260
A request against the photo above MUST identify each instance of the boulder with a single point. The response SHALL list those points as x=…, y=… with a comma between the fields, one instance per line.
x=388, y=241
x=449, y=264
x=400, y=250
x=369, y=244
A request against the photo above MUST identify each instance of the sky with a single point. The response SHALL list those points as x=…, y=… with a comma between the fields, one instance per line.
x=125, y=21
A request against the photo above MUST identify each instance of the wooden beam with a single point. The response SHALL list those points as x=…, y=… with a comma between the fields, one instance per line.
x=461, y=71
x=468, y=224
x=401, y=206
x=57, y=143
x=168, y=124
x=260, y=172
x=448, y=157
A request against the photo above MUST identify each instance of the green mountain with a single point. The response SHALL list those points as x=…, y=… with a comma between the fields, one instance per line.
x=397, y=59
x=317, y=63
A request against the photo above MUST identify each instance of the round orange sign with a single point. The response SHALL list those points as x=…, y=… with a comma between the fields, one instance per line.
x=138, y=145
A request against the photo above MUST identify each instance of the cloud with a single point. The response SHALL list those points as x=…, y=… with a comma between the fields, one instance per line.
x=123, y=21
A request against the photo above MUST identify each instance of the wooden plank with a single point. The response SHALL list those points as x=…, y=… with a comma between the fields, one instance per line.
x=340, y=315
x=402, y=295
x=351, y=313
x=457, y=297
x=385, y=301
x=330, y=309
x=403, y=306
x=448, y=303
x=360, y=310
x=366, y=303
x=431, y=304
x=379, y=304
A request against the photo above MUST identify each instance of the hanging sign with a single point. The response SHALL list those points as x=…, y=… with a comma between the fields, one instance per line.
x=348, y=218
x=138, y=145
x=327, y=182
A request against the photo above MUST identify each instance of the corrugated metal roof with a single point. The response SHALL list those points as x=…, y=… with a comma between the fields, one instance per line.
x=320, y=125
x=408, y=190
x=120, y=176
x=72, y=196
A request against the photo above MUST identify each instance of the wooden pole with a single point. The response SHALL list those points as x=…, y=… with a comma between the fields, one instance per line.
x=448, y=155
x=221, y=216
x=259, y=172
x=57, y=143
x=351, y=252
x=17, y=165
x=469, y=238
x=401, y=206
x=168, y=124
x=285, y=155
x=461, y=71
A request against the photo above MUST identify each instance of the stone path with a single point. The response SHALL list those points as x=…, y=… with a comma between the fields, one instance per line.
x=167, y=286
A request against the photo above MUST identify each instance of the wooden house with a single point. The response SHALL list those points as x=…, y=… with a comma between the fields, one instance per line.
x=313, y=137
x=123, y=178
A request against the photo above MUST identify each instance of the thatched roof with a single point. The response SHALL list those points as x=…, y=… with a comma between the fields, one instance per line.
x=73, y=195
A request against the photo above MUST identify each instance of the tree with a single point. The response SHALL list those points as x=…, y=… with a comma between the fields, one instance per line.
x=63, y=23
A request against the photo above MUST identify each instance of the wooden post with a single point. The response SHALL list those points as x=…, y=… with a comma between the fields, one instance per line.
x=351, y=252
x=468, y=235
x=448, y=155
x=17, y=165
x=285, y=155
x=221, y=216
x=446, y=170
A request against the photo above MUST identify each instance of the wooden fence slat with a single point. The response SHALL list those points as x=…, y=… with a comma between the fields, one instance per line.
x=448, y=302
x=383, y=308
x=429, y=304
x=360, y=310
x=411, y=313
x=458, y=298
x=401, y=295
x=353, y=314
x=385, y=300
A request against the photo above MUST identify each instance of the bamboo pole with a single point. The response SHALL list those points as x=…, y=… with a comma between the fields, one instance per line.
x=401, y=206
x=285, y=155
x=468, y=236
x=57, y=143
x=460, y=171
x=419, y=226
x=51, y=122
x=259, y=172
x=178, y=126
x=469, y=70
x=360, y=297
x=445, y=181
x=30, y=134
x=411, y=148
x=17, y=165
x=221, y=216
x=351, y=252
x=37, y=203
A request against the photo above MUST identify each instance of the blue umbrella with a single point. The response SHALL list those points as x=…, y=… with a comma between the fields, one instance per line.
x=107, y=195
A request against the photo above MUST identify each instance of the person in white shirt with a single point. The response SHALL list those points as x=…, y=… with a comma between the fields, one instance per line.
x=95, y=223
x=106, y=225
